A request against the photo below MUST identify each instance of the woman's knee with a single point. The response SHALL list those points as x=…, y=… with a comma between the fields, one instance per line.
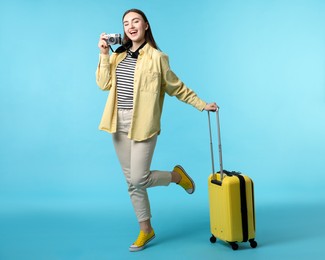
x=139, y=182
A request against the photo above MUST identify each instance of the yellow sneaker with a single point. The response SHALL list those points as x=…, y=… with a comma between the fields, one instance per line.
x=186, y=182
x=142, y=240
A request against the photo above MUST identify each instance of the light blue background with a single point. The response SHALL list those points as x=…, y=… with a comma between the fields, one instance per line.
x=62, y=194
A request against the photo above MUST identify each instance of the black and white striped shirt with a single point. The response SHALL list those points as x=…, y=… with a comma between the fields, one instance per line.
x=125, y=81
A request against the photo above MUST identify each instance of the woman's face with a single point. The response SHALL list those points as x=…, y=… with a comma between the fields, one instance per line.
x=135, y=27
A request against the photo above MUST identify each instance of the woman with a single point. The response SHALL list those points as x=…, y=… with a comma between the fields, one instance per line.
x=138, y=75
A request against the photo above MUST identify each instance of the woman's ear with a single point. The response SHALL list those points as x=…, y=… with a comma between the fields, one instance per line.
x=147, y=27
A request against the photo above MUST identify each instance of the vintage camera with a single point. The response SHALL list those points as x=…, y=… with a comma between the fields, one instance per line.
x=114, y=38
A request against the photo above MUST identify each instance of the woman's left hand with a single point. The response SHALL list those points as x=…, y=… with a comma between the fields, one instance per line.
x=211, y=107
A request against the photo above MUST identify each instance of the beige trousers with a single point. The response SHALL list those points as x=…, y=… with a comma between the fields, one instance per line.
x=135, y=159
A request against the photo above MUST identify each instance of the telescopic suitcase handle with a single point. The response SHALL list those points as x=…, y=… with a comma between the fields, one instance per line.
x=219, y=146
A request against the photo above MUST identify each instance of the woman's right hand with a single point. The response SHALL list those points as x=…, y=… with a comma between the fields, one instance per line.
x=102, y=43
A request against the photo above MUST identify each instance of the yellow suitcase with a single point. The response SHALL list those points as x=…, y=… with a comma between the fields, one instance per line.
x=231, y=200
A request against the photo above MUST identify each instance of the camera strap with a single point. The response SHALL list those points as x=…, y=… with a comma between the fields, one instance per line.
x=135, y=54
x=124, y=48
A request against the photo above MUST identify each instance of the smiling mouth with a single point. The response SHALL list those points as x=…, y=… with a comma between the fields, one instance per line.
x=133, y=33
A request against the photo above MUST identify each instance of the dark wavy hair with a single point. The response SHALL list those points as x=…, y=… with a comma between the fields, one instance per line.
x=148, y=34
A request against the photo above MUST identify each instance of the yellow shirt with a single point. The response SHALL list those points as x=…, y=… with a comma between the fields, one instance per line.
x=152, y=79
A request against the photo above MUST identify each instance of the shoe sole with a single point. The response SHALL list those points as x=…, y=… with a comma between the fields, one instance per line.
x=136, y=249
x=188, y=176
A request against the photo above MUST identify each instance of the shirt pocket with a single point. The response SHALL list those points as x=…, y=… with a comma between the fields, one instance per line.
x=152, y=82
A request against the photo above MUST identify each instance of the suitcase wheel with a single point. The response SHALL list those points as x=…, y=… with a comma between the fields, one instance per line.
x=213, y=239
x=233, y=245
x=253, y=243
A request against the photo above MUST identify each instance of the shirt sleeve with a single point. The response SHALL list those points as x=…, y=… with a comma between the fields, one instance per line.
x=103, y=73
x=175, y=87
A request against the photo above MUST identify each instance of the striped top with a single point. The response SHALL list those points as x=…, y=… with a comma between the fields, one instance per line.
x=125, y=81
